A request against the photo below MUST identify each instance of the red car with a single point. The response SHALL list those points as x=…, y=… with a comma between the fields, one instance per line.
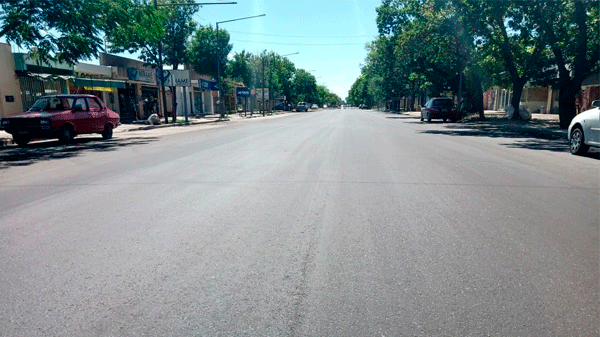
x=62, y=117
x=439, y=107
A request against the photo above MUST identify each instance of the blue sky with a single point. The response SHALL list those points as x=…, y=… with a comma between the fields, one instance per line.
x=330, y=36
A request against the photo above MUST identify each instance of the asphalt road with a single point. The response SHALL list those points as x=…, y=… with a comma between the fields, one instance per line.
x=329, y=223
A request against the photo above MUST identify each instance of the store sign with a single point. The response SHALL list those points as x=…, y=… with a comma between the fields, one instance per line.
x=177, y=78
x=242, y=92
x=208, y=85
x=142, y=75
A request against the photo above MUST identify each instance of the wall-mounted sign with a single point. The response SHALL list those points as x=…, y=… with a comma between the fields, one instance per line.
x=142, y=75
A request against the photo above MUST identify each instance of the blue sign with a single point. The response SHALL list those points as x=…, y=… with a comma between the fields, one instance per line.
x=242, y=92
x=208, y=85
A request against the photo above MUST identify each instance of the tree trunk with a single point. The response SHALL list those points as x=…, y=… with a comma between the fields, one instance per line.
x=478, y=95
x=516, y=98
x=174, y=94
x=566, y=102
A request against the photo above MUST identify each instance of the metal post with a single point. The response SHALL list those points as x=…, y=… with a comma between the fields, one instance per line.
x=185, y=110
x=161, y=75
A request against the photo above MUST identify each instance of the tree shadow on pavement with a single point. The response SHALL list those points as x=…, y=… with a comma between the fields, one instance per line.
x=533, y=135
x=50, y=150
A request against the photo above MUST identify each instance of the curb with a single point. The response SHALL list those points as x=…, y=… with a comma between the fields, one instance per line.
x=150, y=127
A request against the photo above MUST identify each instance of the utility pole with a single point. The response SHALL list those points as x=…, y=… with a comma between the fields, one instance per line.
x=161, y=74
x=263, y=84
x=222, y=112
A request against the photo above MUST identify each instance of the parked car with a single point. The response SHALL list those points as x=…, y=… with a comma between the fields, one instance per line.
x=302, y=106
x=439, y=107
x=282, y=106
x=314, y=106
x=62, y=117
x=584, y=131
x=363, y=106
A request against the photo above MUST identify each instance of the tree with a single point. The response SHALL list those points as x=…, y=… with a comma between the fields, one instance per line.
x=304, y=86
x=179, y=28
x=204, y=48
x=239, y=68
x=147, y=27
x=59, y=30
x=570, y=28
x=510, y=37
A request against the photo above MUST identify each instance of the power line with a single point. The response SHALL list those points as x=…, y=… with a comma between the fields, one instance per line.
x=306, y=36
x=302, y=44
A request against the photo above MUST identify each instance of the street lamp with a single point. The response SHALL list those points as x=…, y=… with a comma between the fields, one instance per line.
x=222, y=112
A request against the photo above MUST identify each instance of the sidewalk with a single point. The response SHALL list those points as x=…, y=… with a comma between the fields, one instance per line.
x=6, y=138
x=540, y=125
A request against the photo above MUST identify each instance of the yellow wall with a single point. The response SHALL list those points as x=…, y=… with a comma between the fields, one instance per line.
x=9, y=83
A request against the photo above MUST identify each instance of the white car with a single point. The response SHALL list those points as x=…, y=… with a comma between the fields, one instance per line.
x=584, y=131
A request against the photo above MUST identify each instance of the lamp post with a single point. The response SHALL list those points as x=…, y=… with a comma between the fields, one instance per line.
x=221, y=110
x=160, y=50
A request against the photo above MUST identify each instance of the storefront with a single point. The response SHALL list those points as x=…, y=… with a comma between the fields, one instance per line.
x=139, y=96
x=37, y=79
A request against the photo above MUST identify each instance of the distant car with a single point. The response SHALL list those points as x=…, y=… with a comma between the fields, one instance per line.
x=302, y=106
x=324, y=106
x=584, y=131
x=282, y=106
x=62, y=117
x=314, y=106
x=363, y=106
x=441, y=108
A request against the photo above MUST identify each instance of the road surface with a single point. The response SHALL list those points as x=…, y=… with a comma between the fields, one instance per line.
x=329, y=223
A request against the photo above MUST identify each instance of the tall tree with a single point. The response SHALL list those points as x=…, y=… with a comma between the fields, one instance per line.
x=305, y=86
x=147, y=27
x=511, y=38
x=239, y=68
x=570, y=28
x=59, y=30
x=207, y=48
x=179, y=28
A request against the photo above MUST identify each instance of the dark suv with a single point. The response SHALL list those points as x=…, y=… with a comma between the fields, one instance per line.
x=62, y=117
x=439, y=107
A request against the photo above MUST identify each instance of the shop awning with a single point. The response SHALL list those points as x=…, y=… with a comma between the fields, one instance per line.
x=98, y=83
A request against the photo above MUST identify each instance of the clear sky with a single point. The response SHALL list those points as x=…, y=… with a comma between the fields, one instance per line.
x=330, y=35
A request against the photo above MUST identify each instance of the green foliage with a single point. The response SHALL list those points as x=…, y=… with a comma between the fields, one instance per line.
x=178, y=30
x=141, y=32
x=59, y=30
x=239, y=68
x=206, y=44
x=304, y=87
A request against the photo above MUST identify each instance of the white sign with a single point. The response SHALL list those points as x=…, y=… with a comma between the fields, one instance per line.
x=177, y=78
x=259, y=93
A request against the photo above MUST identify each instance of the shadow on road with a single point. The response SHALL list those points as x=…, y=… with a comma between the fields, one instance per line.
x=400, y=115
x=49, y=150
x=532, y=135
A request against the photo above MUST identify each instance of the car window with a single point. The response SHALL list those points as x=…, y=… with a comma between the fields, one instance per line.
x=94, y=104
x=443, y=102
x=80, y=105
x=40, y=104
